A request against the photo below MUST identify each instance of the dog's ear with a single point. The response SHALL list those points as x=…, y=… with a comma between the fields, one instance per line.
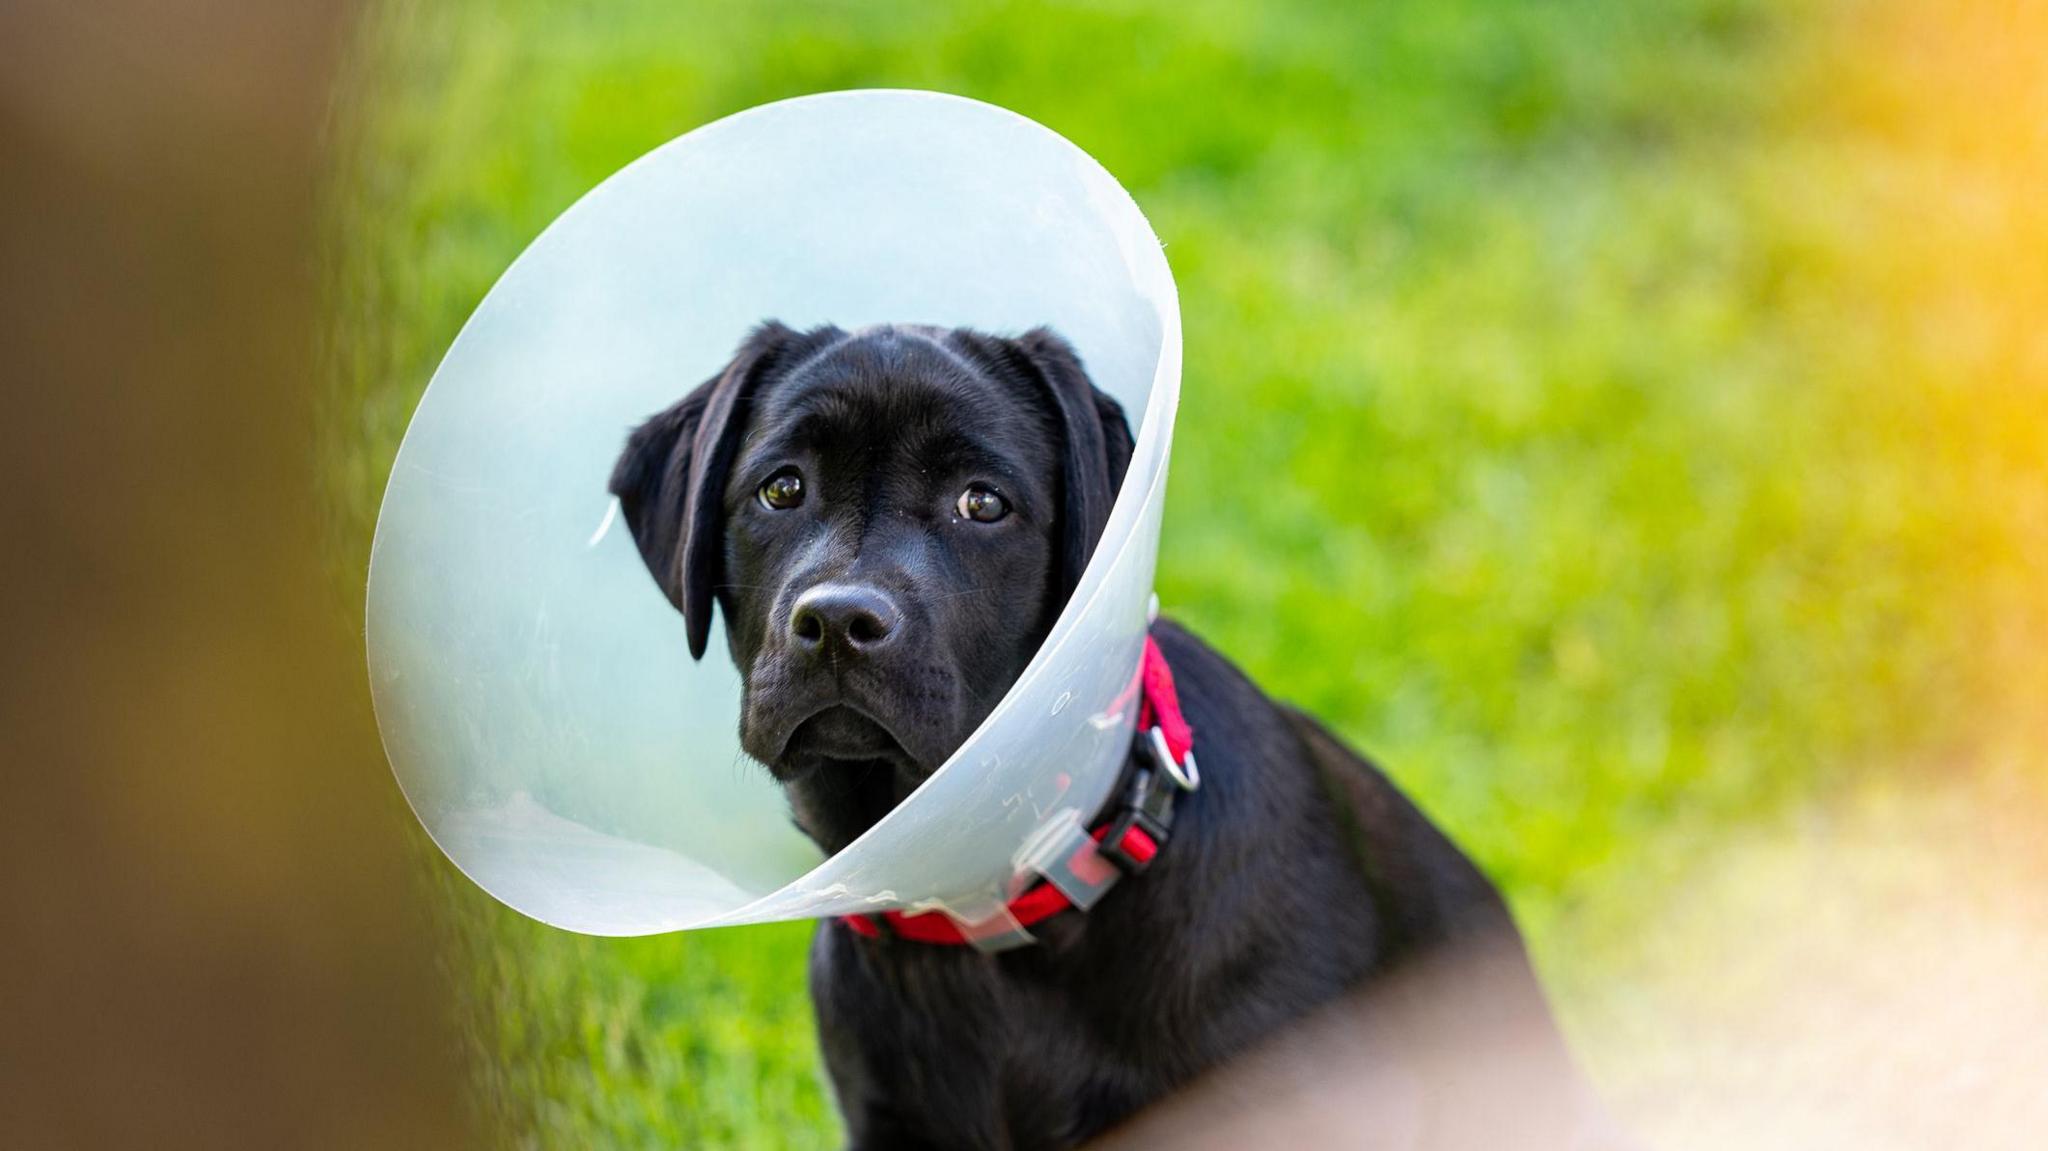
x=1096, y=448
x=1116, y=439
x=670, y=479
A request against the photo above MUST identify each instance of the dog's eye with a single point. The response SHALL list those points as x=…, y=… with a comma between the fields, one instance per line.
x=982, y=504
x=782, y=492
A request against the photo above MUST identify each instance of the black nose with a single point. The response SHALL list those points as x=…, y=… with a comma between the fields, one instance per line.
x=853, y=617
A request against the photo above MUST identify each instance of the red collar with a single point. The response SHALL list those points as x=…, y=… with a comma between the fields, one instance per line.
x=1131, y=834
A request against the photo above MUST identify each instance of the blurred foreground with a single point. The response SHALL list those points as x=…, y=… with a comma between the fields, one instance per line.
x=208, y=936
x=1866, y=977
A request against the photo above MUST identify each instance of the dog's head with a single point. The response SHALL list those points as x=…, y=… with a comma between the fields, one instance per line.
x=890, y=520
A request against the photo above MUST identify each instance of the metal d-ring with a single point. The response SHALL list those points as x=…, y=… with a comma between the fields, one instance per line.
x=1184, y=774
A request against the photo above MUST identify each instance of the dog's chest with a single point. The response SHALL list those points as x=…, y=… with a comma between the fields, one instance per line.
x=966, y=1050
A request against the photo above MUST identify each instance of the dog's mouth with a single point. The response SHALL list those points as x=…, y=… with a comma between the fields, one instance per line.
x=839, y=732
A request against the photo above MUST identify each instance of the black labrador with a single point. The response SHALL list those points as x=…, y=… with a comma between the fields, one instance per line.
x=890, y=520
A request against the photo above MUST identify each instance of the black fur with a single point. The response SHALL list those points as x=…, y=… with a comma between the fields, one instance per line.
x=1296, y=874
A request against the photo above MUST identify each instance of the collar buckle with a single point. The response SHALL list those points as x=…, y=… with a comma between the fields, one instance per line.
x=1142, y=823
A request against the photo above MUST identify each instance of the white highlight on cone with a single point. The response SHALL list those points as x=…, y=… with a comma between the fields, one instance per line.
x=611, y=515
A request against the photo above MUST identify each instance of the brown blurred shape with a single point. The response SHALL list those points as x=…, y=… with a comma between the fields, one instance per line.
x=1453, y=1054
x=210, y=935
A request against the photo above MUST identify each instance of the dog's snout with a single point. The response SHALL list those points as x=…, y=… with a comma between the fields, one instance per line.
x=853, y=617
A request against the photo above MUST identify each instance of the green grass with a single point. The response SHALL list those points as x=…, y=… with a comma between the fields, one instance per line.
x=1624, y=422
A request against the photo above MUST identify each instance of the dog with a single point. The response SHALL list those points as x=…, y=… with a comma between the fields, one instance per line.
x=890, y=520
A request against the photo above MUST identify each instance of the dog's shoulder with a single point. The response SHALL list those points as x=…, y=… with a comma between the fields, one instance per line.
x=1429, y=892
x=1426, y=891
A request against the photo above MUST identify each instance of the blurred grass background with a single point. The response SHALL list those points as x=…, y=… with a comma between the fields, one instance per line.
x=1626, y=422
